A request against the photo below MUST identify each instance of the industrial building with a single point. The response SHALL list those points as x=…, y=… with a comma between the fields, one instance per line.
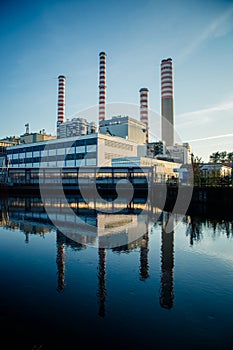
x=35, y=137
x=163, y=170
x=87, y=150
x=125, y=127
x=118, y=141
x=156, y=148
x=180, y=153
x=76, y=127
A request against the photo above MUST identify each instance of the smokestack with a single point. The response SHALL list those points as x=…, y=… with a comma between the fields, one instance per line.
x=144, y=109
x=102, y=86
x=61, y=100
x=167, y=101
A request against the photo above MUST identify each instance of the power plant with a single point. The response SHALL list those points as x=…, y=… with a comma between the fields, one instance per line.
x=80, y=126
x=119, y=141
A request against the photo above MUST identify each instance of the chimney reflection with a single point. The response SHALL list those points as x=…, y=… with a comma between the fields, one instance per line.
x=60, y=260
x=144, y=261
x=102, y=280
x=167, y=266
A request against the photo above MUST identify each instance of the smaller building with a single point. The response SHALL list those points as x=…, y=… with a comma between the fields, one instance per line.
x=10, y=141
x=180, y=153
x=156, y=148
x=75, y=127
x=36, y=137
x=163, y=170
x=217, y=169
x=125, y=127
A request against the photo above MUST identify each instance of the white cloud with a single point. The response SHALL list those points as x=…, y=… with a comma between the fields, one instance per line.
x=211, y=137
x=219, y=27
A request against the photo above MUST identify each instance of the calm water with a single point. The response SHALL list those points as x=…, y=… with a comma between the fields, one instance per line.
x=160, y=291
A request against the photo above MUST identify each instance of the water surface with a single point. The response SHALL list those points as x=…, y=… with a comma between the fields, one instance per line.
x=160, y=291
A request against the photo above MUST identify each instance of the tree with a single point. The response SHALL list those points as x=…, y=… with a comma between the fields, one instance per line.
x=230, y=157
x=197, y=162
x=223, y=156
x=215, y=157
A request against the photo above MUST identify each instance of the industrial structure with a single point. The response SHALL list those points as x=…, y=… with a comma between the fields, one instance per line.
x=180, y=153
x=76, y=127
x=119, y=141
x=167, y=102
x=35, y=137
x=87, y=150
x=61, y=101
x=102, y=86
x=144, y=110
x=157, y=148
x=125, y=127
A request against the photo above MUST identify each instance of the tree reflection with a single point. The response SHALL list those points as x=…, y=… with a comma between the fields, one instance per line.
x=196, y=225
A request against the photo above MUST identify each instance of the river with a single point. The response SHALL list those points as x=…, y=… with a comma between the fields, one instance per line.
x=115, y=280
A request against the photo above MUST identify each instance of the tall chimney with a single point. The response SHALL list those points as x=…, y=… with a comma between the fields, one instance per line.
x=61, y=101
x=167, y=101
x=144, y=109
x=102, y=86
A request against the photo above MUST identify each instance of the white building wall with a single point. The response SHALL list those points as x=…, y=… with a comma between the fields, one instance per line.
x=107, y=147
x=113, y=147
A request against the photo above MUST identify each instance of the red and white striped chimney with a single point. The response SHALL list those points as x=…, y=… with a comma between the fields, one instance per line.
x=144, y=110
x=167, y=108
x=61, y=99
x=102, y=86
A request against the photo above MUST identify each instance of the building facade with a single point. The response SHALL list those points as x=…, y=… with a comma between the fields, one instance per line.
x=156, y=148
x=87, y=150
x=35, y=137
x=163, y=170
x=180, y=153
x=76, y=127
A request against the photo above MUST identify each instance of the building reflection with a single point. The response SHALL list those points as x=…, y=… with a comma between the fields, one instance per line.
x=167, y=265
x=113, y=231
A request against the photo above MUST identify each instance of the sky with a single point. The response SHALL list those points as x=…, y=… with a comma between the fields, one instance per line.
x=42, y=39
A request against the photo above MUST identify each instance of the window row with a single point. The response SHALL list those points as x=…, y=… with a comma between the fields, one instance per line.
x=55, y=158
x=59, y=145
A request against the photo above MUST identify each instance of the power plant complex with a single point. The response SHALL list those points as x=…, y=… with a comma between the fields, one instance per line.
x=116, y=141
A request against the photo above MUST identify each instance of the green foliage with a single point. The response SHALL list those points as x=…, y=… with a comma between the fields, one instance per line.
x=221, y=157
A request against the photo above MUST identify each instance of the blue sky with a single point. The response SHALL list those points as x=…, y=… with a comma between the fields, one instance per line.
x=41, y=39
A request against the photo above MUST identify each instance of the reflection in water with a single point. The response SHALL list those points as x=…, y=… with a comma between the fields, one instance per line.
x=196, y=225
x=167, y=266
x=62, y=242
x=194, y=229
x=144, y=261
x=102, y=279
x=60, y=260
x=29, y=216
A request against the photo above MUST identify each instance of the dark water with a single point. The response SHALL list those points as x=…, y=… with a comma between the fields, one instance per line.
x=162, y=290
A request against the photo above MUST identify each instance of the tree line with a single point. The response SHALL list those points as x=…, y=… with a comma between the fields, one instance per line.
x=221, y=157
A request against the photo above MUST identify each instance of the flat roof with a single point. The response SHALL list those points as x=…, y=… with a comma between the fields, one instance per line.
x=74, y=138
